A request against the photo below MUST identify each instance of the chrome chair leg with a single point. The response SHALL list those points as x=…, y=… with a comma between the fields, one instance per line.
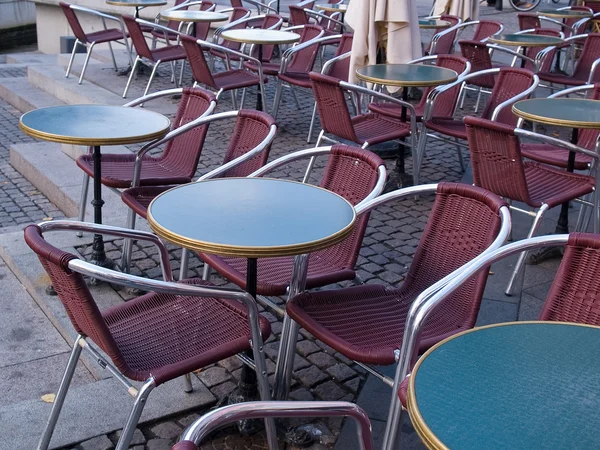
x=87, y=60
x=461, y=161
x=154, y=69
x=206, y=272
x=72, y=58
x=61, y=394
x=128, y=243
x=131, y=75
x=312, y=124
x=83, y=199
x=277, y=99
x=187, y=383
x=184, y=264
x=134, y=415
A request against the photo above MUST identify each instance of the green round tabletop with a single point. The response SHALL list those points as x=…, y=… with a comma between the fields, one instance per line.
x=251, y=217
x=193, y=16
x=433, y=23
x=563, y=112
x=258, y=36
x=416, y=75
x=564, y=14
x=525, y=40
x=333, y=8
x=520, y=385
x=94, y=125
x=136, y=3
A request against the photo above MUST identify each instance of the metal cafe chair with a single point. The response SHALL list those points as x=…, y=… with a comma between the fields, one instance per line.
x=366, y=323
x=248, y=150
x=572, y=298
x=442, y=42
x=498, y=166
x=511, y=86
x=211, y=421
x=89, y=40
x=202, y=29
x=173, y=329
x=178, y=161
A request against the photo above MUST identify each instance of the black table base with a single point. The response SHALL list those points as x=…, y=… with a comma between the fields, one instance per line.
x=259, y=99
x=400, y=178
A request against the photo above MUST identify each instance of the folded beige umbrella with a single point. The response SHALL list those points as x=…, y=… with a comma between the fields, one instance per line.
x=394, y=24
x=465, y=9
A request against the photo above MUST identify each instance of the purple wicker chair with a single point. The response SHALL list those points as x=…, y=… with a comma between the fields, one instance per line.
x=353, y=173
x=201, y=29
x=237, y=21
x=511, y=86
x=89, y=40
x=366, y=323
x=176, y=164
x=173, y=329
x=498, y=166
x=229, y=80
x=248, y=150
x=169, y=53
x=445, y=106
x=442, y=42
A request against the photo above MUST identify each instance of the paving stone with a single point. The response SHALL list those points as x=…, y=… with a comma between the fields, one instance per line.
x=213, y=376
x=341, y=372
x=310, y=376
x=329, y=391
x=137, y=438
x=301, y=394
x=322, y=360
x=223, y=390
x=159, y=444
x=307, y=347
x=166, y=430
x=353, y=384
x=97, y=443
x=186, y=421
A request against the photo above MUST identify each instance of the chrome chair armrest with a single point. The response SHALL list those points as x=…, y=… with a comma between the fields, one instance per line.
x=289, y=53
x=556, y=22
x=516, y=98
x=571, y=90
x=328, y=64
x=593, y=71
x=511, y=52
x=322, y=16
x=153, y=96
x=556, y=142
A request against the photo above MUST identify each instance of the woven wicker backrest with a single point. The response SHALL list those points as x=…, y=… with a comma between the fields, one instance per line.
x=528, y=21
x=251, y=128
x=203, y=28
x=478, y=55
x=303, y=60
x=463, y=222
x=331, y=103
x=297, y=15
x=236, y=3
x=572, y=21
x=73, y=22
x=496, y=159
x=531, y=52
x=509, y=83
x=74, y=294
x=137, y=37
x=238, y=13
x=269, y=21
x=340, y=69
x=445, y=43
x=195, y=56
x=589, y=54
x=575, y=292
x=174, y=24
x=485, y=29
x=445, y=103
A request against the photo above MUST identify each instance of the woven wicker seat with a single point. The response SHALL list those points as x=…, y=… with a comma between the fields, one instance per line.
x=153, y=338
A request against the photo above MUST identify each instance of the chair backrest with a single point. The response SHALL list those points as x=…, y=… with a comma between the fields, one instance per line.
x=269, y=21
x=203, y=28
x=445, y=103
x=297, y=15
x=182, y=153
x=528, y=21
x=303, y=60
x=531, y=52
x=74, y=294
x=594, y=5
x=509, y=83
x=485, y=29
x=174, y=24
x=251, y=128
x=496, y=159
x=573, y=296
x=137, y=37
x=464, y=221
x=195, y=56
x=573, y=20
x=238, y=13
x=444, y=43
x=478, y=54
x=331, y=103
x=340, y=69
x=589, y=54
x=73, y=22
x=587, y=137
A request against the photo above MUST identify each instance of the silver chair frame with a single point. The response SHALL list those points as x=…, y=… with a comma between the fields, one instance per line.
x=185, y=4
x=168, y=287
x=90, y=46
x=213, y=420
x=459, y=27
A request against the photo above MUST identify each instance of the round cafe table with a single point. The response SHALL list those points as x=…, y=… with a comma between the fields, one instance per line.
x=405, y=76
x=95, y=126
x=260, y=37
x=564, y=14
x=254, y=218
x=573, y=113
x=520, y=385
x=525, y=40
x=192, y=17
x=433, y=23
x=333, y=8
x=138, y=4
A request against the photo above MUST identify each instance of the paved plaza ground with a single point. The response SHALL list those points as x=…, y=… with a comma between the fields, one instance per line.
x=34, y=330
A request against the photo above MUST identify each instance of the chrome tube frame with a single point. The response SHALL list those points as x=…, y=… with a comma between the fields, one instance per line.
x=516, y=98
x=198, y=430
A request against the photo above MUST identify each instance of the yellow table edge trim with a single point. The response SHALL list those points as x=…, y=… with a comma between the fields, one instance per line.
x=332, y=9
x=296, y=37
x=562, y=15
x=527, y=44
x=217, y=16
x=118, y=3
x=557, y=122
x=257, y=251
x=406, y=84
x=424, y=432
x=425, y=26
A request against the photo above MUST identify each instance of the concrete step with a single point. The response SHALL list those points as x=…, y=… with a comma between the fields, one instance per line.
x=21, y=94
x=30, y=58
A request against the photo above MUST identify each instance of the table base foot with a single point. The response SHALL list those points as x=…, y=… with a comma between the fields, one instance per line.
x=101, y=260
x=50, y=290
x=397, y=180
x=246, y=393
x=302, y=436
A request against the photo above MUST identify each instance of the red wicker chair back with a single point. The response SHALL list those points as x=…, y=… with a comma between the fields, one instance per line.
x=573, y=296
x=340, y=69
x=450, y=239
x=528, y=21
x=572, y=21
x=331, y=103
x=238, y=13
x=485, y=29
x=74, y=294
x=137, y=37
x=445, y=103
x=236, y=3
x=445, y=44
x=303, y=60
x=531, y=52
x=589, y=54
x=297, y=15
x=200, y=69
x=594, y=5
x=479, y=56
x=182, y=153
x=73, y=22
x=251, y=128
x=202, y=28
x=496, y=159
x=269, y=21
x=509, y=83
